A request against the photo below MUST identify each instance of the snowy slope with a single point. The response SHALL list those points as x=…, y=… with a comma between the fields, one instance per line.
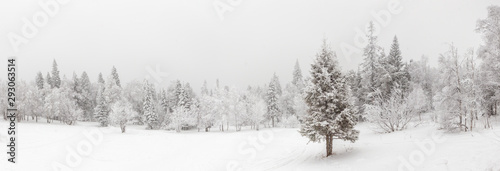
x=43, y=146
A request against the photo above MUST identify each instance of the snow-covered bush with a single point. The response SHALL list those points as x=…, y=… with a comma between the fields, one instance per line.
x=392, y=114
x=121, y=113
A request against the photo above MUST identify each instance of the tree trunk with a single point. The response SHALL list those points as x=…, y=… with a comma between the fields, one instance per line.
x=272, y=121
x=329, y=145
x=123, y=128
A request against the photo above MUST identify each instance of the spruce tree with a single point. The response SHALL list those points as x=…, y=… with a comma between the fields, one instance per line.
x=276, y=82
x=56, y=80
x=49, y=80
x=100, y=79
x=397, y=69
x=297, y=76
x=371, y=67
x=330, y=114
x=151, y=118
x=114, y=73
x=85, y=102
x=39, y=81
x=204, y=88
x=272, y=102
x=102, y=109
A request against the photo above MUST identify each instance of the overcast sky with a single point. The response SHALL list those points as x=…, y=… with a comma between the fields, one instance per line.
x=191, y=42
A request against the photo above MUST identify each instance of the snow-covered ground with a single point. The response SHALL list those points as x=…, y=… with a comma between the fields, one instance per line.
x=86, y=147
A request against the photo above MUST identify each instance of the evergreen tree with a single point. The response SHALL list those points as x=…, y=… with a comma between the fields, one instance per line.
x=371, y=67
x=116, y=78
x=330, y=115
x=489, y=52
x=100, y=79
x=85, y=101
x=102, y=109
x=76, y=84
x=397, y=69
x=39, y=81
x=297, y=80
x=276, y=82
x=151, y=118
x=204, y=89
x=56, y=80
x=272, y=101
x=49, y=80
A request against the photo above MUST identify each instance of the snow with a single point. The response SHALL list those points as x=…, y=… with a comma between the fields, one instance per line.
x=41, y=145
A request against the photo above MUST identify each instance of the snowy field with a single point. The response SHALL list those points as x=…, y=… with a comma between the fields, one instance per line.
x=87, y=147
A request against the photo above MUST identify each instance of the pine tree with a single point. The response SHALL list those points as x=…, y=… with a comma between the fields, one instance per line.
x=272, y=102
x=114, y=73
x=165, y=120
x=371, y=67
x=397, y=69
x=277, y=84
x=39, y=81
x=204, y=89
x=151, y=118
x=76, y=84
x=297, y=80
x=100, y=79
x=56, y=80
x=102, y=109
x=330, y=115
x=85, y=102
x=112, y=92
x=49, y=80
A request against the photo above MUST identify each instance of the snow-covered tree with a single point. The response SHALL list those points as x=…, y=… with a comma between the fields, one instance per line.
x=273, y=110
x=48, y=79
x=423, y=75
x=451, y=97
x=393, y=113
x=59, y=104
x=163, y=108
x=86, y=99
x=204, y=89
x=134, y=93
x=100, y=79
x=121, y=113
x=39, y=81
x=112, y=92
x=257, y=110
x=56, y=80
x=115, y=76
x=150, y=115
x=397, y=73
x=298, y=79
x=371, y=68
x=331, y=114
x=101, y=111
x=208, y=112
x=181, y=115
x=489, y=52
x=277, y=84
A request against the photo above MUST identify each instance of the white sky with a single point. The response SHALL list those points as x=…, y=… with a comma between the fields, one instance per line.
x=188, y=40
